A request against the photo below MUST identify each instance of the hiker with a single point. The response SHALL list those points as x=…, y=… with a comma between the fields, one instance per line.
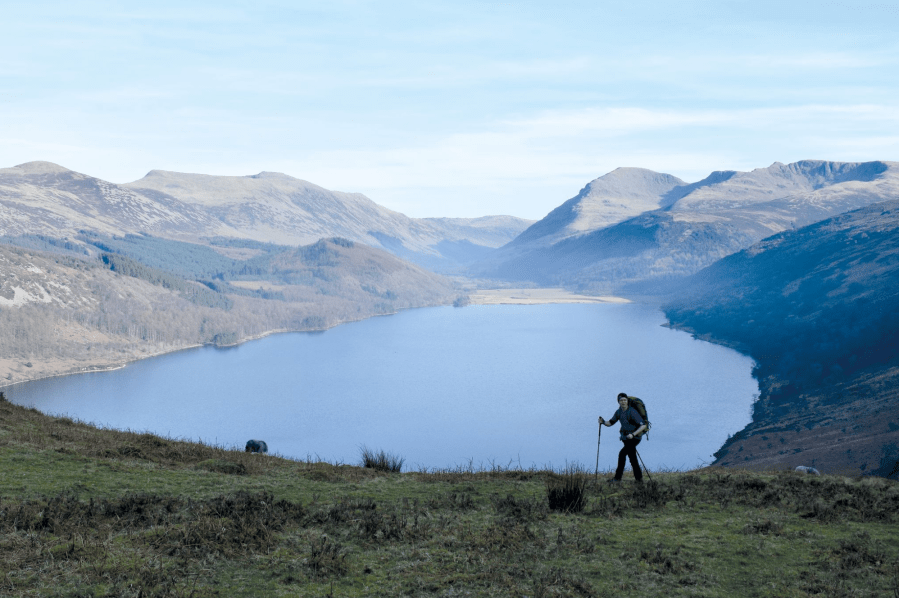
x=256, y=446
x=632, y=426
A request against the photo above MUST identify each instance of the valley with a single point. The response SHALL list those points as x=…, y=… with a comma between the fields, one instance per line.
x=792, y=264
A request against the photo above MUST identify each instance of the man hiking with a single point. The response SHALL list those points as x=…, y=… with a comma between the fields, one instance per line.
x=632, y=425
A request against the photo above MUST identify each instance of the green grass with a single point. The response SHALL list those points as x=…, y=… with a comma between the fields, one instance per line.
x=94, y=512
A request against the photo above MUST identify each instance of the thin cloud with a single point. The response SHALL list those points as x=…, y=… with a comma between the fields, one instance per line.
x=623, y=121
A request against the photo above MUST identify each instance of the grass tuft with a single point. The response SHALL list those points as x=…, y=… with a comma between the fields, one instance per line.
x=381, y=460
x=567, y=490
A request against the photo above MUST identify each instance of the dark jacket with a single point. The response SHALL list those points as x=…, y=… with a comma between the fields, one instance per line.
x=630, y=420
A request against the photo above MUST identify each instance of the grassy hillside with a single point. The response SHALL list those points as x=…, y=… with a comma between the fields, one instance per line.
x=818, y=309
x=93, y=512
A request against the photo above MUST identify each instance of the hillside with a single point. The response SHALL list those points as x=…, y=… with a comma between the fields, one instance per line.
x=91, y=512
x=41, y=198
x=818, y=309
x=633, y=226
x=136, y=296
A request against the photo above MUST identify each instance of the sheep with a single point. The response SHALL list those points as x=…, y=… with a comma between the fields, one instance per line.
x=256, y=446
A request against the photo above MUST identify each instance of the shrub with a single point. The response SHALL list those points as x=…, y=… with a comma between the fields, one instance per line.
x=326, y=558
x=566, y=491
x=381, y=461
x=462, y=301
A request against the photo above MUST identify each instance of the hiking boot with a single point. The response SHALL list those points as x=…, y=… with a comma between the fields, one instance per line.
x=614, y=481
x=638, y=481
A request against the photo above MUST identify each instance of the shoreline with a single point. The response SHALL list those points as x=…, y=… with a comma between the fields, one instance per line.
x=73, y=367
x=532, y=296
x=538, y=296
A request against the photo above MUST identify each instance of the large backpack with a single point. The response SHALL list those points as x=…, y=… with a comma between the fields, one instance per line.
x=641, y=409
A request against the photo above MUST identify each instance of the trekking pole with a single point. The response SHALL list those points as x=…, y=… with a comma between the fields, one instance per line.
x=643, y=464
x=598, y=438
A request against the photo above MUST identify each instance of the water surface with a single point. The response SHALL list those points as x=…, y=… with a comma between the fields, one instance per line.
x=519, y=385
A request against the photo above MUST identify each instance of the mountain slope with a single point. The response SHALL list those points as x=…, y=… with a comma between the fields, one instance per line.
x=694, y=225
x=47, y=199
x=615, y=197
x=818, y=309
x=277, y=208
x=44, y=198
x=63, y=314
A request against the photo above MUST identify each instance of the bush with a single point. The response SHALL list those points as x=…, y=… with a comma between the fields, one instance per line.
x=566, y=491
x=326, y=558
x=381, y=461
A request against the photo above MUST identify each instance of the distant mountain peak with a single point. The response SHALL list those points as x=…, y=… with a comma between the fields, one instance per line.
x=612, y=198
x=39, y=167
x=635, y=173
x=265, y=174
x=213, y=179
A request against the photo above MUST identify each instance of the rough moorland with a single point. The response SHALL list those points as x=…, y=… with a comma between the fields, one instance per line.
x=96, y=512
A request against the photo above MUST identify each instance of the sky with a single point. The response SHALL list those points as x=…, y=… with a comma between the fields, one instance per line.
x=457, y=109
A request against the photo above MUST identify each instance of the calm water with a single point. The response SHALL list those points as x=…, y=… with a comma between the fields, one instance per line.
x=439, y=386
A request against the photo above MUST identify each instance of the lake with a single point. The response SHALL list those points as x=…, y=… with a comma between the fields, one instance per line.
x=503, y=385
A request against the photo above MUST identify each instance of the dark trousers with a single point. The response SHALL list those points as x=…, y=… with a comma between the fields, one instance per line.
x=630, y=451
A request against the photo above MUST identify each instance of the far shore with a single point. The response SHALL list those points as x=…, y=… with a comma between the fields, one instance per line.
x=55, y=367
x=536, y=297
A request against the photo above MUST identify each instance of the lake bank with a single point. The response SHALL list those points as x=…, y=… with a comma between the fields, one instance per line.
x=539, y=296
x=17, y=370
x=37, y=369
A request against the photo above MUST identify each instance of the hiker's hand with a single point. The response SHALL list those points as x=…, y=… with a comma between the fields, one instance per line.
x=631, y=436
x=601, y=420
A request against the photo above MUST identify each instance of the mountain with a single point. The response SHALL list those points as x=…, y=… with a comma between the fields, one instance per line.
x=46, y=199
x=818, y=310
x=277, y=208
x=633, y=225
x=615, y=197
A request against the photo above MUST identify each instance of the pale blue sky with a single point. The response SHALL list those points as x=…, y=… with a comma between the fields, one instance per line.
x=447, y=108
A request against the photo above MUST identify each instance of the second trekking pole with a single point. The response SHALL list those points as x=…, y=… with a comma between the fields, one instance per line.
x=644, y=464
